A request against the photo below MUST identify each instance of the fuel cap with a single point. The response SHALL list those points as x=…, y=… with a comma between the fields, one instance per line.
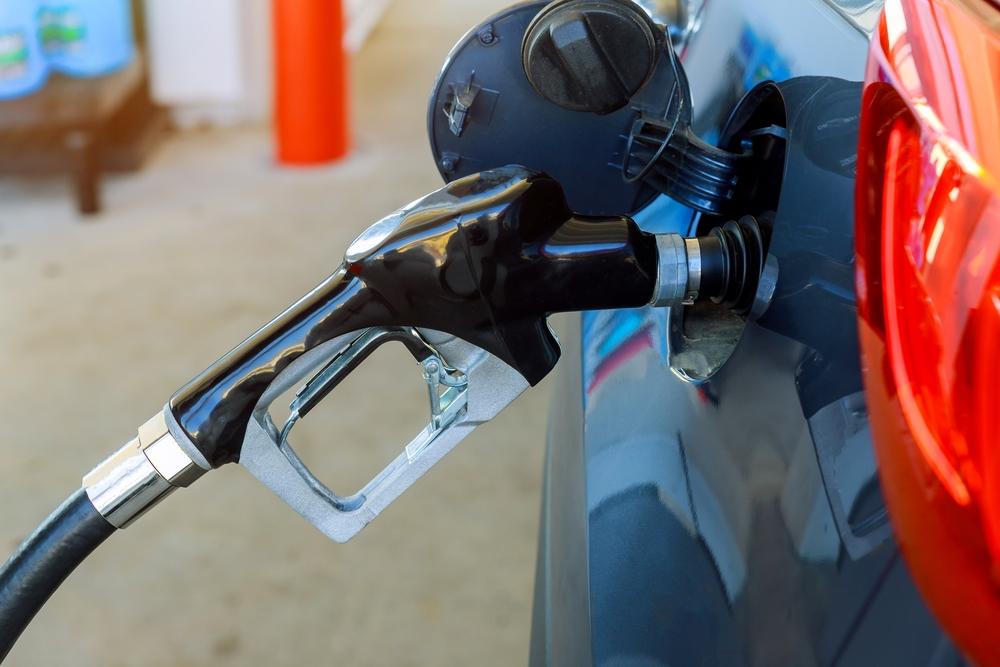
x=591, y=55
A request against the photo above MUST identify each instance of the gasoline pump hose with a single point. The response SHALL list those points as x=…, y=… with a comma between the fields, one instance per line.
x=44, y=560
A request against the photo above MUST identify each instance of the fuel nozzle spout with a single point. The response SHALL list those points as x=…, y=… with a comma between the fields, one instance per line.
x=723, y=265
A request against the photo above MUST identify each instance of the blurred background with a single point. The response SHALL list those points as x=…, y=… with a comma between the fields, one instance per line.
x=154, y=210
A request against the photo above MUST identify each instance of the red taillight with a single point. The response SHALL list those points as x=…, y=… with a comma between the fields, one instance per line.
x=939, y=253
x=928, y=241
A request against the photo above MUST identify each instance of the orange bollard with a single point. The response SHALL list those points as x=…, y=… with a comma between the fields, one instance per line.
x=311, y=104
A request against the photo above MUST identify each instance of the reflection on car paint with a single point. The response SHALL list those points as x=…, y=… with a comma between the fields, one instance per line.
x=627, y=349
x=759, y=60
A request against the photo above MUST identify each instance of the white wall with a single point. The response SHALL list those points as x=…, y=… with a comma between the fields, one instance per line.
x=210, y=60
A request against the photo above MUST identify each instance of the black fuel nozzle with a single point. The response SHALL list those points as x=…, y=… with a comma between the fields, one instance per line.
x=487, y=258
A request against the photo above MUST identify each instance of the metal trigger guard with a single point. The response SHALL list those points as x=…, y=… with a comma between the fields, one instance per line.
x=466, y=387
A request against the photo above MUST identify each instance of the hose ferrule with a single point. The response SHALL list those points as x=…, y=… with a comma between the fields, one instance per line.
x=140, y=474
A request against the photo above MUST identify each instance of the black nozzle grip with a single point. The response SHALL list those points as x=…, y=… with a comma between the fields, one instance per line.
x=486, y=259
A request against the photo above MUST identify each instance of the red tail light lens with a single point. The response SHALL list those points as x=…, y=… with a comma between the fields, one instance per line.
x=928, y=235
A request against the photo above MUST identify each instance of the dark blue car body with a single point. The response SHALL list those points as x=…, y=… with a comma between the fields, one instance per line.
x=736, y=520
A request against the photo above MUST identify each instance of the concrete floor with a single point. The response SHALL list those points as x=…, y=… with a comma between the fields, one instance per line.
x=102, y=321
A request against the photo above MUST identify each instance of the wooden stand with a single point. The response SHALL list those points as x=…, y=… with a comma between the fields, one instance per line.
x=83, y=126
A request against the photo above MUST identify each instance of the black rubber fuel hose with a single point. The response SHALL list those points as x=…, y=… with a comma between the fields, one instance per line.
x=44, y=560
